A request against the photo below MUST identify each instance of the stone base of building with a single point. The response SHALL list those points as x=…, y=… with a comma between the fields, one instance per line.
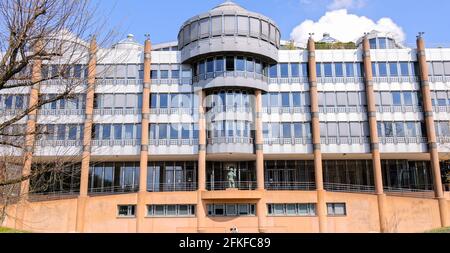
x=403, y=214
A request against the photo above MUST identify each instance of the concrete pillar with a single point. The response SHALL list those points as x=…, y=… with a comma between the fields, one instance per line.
x=321, y=194
x=374, y=140
x=86, y=157
x=141, y=205
x=431, y=131
x=259, y=144
x=201, y=208
x=30, y=134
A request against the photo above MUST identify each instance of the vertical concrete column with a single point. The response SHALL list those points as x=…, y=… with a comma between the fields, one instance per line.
x=431, y=131
x=141, y=205
x=321, y=202
x=201, y=212
x=89, y=119
x=374, y=140
x=259, y=146
x=30, y=134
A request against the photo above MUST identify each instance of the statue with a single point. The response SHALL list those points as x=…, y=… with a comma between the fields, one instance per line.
x=231, y=177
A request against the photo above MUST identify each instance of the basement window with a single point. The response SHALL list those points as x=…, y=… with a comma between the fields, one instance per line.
x=126, y=210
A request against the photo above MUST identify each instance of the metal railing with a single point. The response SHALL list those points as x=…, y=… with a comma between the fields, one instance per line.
x=168, y=142
x=396, y=79
x=441, y=109
x=58, y=143
x=350, y=188
x=408, y=192
x=290, y=186
x=399, y=108
x=181, y=81
x=227, y=109
x=403, y=140
x=173, y=187
x=230, y=140
x=440, y=79
x=119, y=81
x=343, y=109
x=345, y=140
x=131, y=111
x=50, y=196
x=290, y=110
x=288, y=141
x=340, y=80
x=222, y=185
x=61, y=112
x=171, y=111
x=111, y=190
x=122, y=143
x=443, y=139
x=244, y=74
x=11, y=112
x=285, y=80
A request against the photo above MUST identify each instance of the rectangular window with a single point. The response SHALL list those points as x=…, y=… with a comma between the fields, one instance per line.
x=72, y=132
x=349, y=69
x=382, y=68
x=117, y=132
x=240, y=64
x=344, y=130
x=250, y=65
x=126, y=210
x=61, y=133
x=219, y=64
x=304, y=67
x=438, y=68
x=393, y=69
x=287, y=131
x=163, y=100
x=230, y=63
x=273, y=71
x=404, y=69
x=328, y=69
x=154, y=74
x=298, y=130
x=388, y=129
x=374, y=69
x=408, y=98
x=396, y=98
x=296, y=99
x=295, y=70
x=162, y=131
x=332, y=129
x=284, y=70
x=129, y=131
x=339, y=69
x=355, y=129
x=336, y=209
x=400, y=129
x=285, y=100
x=274, y=100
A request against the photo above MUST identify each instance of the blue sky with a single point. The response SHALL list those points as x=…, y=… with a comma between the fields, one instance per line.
x=162, y=18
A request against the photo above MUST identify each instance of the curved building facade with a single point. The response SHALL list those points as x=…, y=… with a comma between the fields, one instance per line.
x=226, y=128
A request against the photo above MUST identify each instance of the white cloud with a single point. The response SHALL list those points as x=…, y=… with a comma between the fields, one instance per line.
x=346, y=4
x=345, y=27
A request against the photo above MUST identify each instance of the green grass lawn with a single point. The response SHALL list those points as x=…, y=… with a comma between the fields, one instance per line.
x=440, y=230
x=9, y=230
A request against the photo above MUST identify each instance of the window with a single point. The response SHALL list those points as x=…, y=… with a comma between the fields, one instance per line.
x=210, y=65
x=154, y=74
x=339, y=69
x=219, y=64
x=72, y=132
x=408, y=98
x=349, y=68
x=126, y=210
x=163, y=100
x=291, y=209
x=240, y=64
x=336, y=209
x=285, y=100
x=129, y=131
x=162, y=129
x=396, y=98
x=400, y=129
x=296, y=99
x=287, y=131
x=298, y=133
x=284, y=70
x=404, y=69
x=382, y=43
x=230, y=63
x=373, y=43
x=388, y=129
x=295, y=70
x=304, y=67
x=117, y=132
x=273, y=71
x=250, y=65
x=382, y=68
x=438, y=68
x=328, y=69
x=61, y=133
x=355, y=129
x=393, y=69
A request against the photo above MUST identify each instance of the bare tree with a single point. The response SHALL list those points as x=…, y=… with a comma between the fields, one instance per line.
x=33, y=35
